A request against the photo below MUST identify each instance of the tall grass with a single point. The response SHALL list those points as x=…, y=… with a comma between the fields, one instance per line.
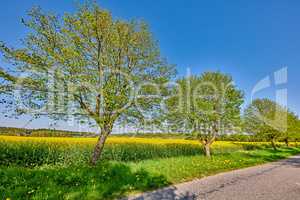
x=30, y=152
x=36, y=151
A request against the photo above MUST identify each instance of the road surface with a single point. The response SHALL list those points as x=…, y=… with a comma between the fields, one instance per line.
x=273, y=181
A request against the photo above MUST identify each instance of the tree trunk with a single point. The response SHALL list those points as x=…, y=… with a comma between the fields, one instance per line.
x=210, y=141
x=273, y=142
x=286, y=141
x=207, y=144
x=99, y=146
x=207, y=150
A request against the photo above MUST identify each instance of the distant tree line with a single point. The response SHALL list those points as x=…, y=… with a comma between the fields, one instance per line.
x=10, y=131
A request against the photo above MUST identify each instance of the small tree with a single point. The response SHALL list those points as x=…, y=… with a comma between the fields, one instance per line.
x=292, y=128
x=205, y=106
x=293, y=133
x=88, y=65
x=296, y=135
x=265, y=118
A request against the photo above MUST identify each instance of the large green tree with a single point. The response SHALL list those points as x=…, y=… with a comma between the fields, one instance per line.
x=266, y=119
x=87, y=64
x=205, y=106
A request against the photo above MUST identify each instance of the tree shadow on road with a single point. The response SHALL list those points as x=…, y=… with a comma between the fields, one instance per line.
x=169, y=193
x=293, y=162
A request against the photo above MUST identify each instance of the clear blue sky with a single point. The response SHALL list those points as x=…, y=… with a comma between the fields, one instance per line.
x=247, y=39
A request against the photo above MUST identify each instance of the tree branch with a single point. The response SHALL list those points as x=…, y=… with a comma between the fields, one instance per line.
x=7, y=76
x=84, y=106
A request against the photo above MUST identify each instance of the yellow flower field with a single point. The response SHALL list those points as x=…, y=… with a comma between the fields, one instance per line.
x=121, y=140
x=110, y=140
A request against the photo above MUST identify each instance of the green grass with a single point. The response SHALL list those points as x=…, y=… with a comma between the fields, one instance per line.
x=105, y=181
x=112, y=179
x=188, y=167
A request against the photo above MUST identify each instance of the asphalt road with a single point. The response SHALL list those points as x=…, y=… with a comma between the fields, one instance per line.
x=273, y=181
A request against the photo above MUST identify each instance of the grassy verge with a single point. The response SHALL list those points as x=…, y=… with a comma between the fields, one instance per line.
x=185, y=168
x=113, y=179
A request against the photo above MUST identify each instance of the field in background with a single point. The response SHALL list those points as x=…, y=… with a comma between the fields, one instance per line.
x=9, y=131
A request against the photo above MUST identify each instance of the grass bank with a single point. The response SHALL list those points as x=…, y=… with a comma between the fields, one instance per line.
x=112, y=179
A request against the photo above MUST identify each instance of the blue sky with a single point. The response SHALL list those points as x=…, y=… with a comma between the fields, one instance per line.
x=247, y=39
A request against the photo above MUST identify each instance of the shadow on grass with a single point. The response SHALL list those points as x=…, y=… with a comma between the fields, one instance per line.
x=105, y=181
x=274, y=155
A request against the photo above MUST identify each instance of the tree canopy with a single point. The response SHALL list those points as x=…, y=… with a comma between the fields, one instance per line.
x=85, y=64
x=265, y=118
x=206, y=105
